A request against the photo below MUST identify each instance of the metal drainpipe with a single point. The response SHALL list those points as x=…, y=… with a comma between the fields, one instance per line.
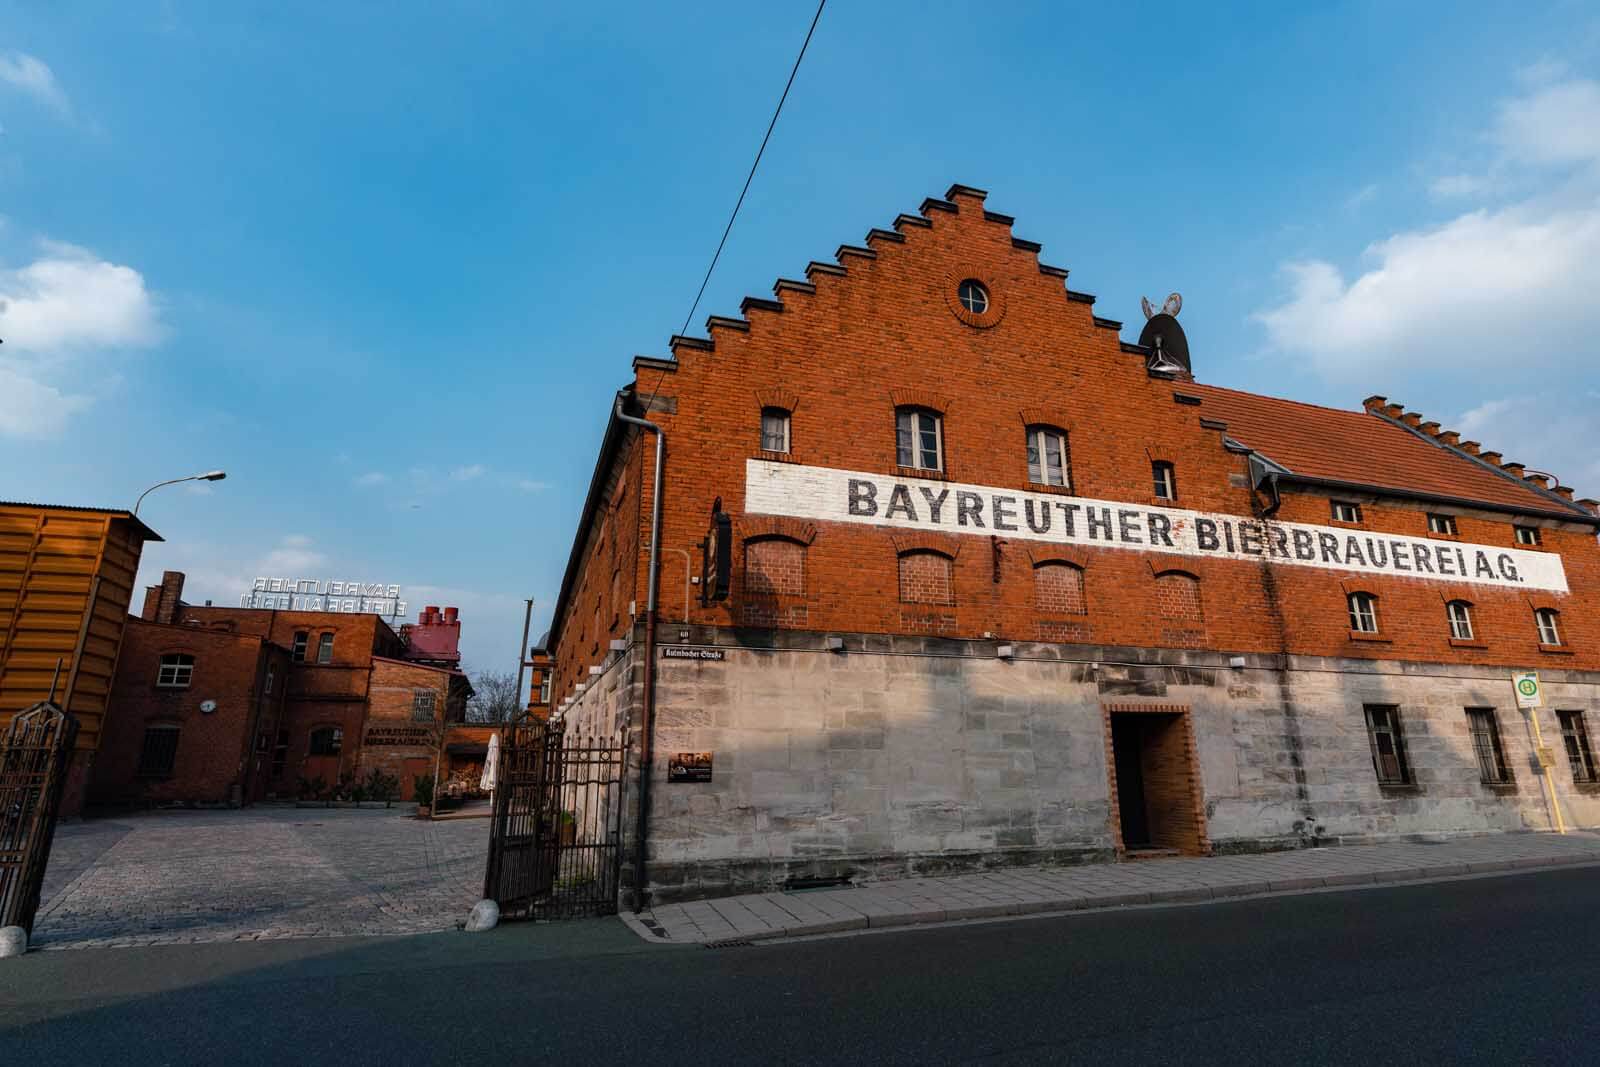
x=647, y=726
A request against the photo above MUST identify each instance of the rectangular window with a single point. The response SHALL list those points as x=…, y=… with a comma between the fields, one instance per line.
x=1460, y=620
x=176, y=671
x=1575, y=736
x=1442, y=524
x=266, y=686
x=1486, y=746
x=1363, y=613
x=1166, y=480
x=422, y=705
x=1527, y=535
x=1346, y=512
x=299, y=652
x=325, y=648
x=1549, y=629
x=544, y=690
x=1388, y=745
x=919, y=439
x=774, y=430
x=159, y=753
x=1047, y=456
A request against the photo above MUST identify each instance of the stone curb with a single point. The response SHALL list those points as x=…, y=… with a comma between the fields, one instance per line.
x=893, y=916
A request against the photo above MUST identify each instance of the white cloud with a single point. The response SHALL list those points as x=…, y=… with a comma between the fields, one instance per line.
x=372, y=478
x=468, y=473
x=1558, y=124
x=1361, y=197
x=1508, y=283
x=1539, y=430
x=293, y=557
x=33, y=76
x=29, y=408
x=65, y=305
x=1459, y=186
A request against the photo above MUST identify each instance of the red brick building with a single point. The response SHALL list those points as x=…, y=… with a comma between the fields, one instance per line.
x=1005, y=586
x=217, y=705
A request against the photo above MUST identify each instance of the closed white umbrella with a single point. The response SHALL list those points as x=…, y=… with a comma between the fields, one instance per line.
x=491, y=764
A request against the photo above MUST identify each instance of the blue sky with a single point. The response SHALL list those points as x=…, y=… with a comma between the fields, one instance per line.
x=386, y=263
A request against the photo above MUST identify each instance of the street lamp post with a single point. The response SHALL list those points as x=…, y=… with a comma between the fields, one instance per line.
x=209, y=476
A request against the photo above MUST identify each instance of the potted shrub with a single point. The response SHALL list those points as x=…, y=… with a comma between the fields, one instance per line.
x=422, y=791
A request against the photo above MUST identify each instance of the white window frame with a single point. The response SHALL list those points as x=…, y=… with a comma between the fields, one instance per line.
x=783, y=418
x=544, y=690
x=176, y=674
x=1166, y=473
x=1344, y=511
x=1363, y=609
x=982, y=293
x=1039, y=472
x=1442, y=524
x=1460, y=614
x=917, y=417
x=1548, y=622
x=325, y=644
x=1527, y=535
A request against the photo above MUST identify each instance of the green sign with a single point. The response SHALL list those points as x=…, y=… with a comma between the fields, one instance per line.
x=1526, y=684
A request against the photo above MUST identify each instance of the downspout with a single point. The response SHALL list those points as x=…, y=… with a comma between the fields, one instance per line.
x=647, y=723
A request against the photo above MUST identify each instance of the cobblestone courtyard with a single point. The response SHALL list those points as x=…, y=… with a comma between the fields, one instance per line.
x=179, y=877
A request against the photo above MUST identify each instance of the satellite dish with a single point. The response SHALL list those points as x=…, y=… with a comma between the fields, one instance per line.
x=1169, y=348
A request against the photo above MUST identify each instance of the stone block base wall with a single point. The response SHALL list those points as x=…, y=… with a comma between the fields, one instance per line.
x=909, y=755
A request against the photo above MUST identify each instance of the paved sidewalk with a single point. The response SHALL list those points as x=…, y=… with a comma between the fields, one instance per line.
x=1030, y=890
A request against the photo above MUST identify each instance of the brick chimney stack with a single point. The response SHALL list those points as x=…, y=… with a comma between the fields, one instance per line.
x=161, y=601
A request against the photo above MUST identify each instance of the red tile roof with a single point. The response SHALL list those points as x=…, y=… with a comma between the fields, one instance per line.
x=1364, y=449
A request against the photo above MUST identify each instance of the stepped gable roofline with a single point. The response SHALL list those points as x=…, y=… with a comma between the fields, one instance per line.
x=1354, y=450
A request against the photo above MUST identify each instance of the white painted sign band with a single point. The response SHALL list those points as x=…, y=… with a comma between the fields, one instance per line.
x=947, y=507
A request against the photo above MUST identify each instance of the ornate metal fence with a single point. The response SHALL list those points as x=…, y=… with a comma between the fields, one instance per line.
x=34, y=753
x=555, y=845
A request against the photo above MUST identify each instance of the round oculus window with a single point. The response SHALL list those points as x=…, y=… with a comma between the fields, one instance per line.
x=973, y=296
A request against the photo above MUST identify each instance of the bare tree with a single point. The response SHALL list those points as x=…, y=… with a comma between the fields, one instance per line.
x=494, y=698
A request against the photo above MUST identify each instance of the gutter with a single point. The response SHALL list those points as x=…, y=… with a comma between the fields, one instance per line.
x=647, y=724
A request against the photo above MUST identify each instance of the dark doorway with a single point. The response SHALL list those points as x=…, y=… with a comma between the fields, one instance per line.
x=1127, y=747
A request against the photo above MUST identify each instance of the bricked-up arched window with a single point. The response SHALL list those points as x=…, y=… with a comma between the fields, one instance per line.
x=1178, y=605
x=1058, y=589
x=926, y=578
x=1363, y=613
x=1459, y=613
x=774, y=582
x=919, y=438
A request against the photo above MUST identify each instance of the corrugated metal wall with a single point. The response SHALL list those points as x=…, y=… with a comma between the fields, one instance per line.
x=66, y=577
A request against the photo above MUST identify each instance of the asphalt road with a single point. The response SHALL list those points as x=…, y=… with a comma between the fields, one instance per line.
x=1489, y=970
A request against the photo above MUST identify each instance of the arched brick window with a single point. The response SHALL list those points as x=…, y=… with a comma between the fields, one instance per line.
x=1179, y=606
x=774, y=582
x=926, y=577
x=1058, y=589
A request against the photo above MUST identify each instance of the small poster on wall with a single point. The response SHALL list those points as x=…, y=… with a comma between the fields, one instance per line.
x=689, y=767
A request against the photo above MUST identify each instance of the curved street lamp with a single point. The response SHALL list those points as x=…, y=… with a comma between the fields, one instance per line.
x=209, y=476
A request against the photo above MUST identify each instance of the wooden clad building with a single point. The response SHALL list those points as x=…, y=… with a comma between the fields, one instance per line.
x=66, y=576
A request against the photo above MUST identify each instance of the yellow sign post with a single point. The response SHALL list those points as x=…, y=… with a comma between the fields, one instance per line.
x=1530, y=696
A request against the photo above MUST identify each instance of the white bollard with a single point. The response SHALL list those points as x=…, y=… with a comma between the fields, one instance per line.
x=13, y=941
x=485, y=916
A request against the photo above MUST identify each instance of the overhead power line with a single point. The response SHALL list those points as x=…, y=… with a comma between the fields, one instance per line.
x=748, y=178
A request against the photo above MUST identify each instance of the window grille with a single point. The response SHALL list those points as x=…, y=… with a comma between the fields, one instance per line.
x=159, y=753
x=1486, y=746
x=1388, y=745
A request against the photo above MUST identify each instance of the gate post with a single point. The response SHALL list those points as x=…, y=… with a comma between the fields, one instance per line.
x=34, y=753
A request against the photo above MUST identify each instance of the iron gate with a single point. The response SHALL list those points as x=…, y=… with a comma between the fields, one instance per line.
x=34, y=753
x=555, y=844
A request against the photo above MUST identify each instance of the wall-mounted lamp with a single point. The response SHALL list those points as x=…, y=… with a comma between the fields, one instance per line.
x=833, y=644
x=1005, y=651
x=1236, y=662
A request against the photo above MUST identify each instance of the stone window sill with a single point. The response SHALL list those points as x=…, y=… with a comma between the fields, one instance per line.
x=1591, y=789
x=1555, y=650
x=1358, y=635
x=1501, y=789
x=1467, y=642
x=1398, y=790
